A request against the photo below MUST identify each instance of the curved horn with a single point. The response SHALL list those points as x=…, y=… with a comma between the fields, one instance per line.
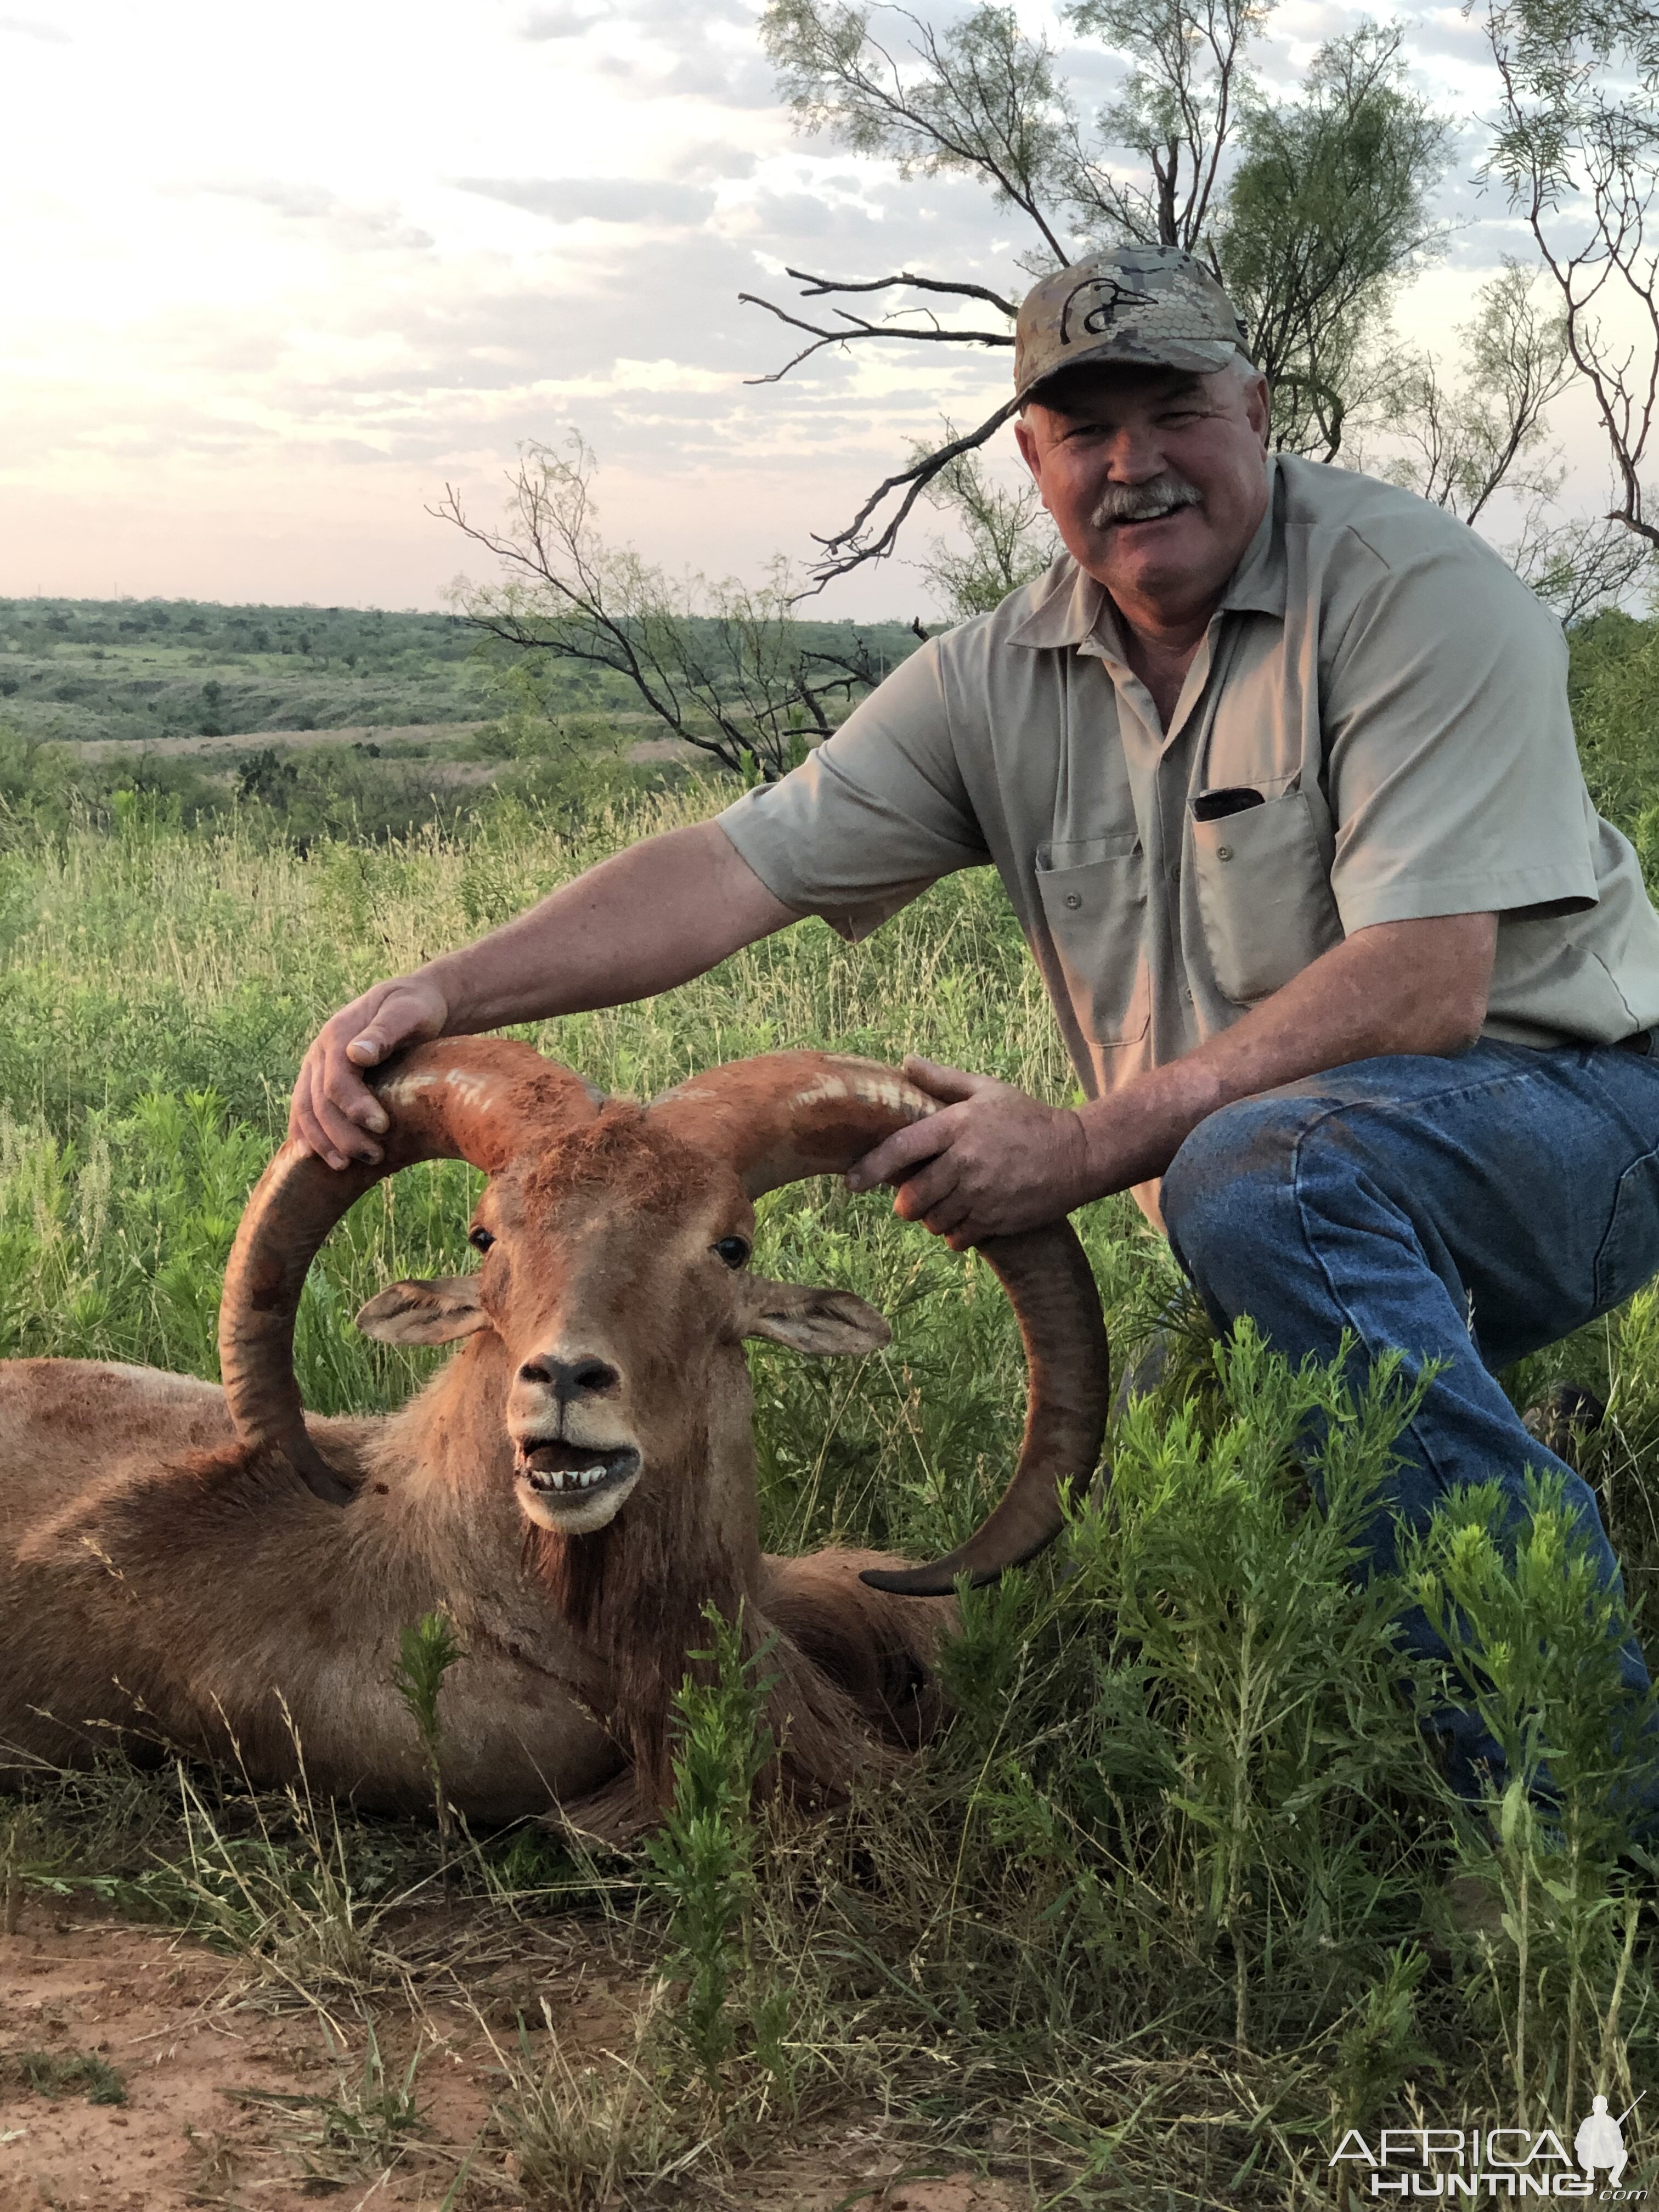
x=786, y=1114
x=1052, y=1290
x=480, y=1099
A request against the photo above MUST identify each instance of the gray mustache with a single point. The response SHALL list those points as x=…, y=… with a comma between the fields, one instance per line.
x=1139, y=502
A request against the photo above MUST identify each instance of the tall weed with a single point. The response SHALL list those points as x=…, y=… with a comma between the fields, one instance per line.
x=702, y=1858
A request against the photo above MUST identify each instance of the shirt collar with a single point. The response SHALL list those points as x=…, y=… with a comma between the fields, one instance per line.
x=1073, y=607
x=1259, y=584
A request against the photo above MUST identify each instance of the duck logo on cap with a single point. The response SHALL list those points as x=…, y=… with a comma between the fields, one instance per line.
x=1099, y=317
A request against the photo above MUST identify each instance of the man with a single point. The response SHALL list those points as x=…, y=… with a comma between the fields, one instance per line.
x=1277, y=769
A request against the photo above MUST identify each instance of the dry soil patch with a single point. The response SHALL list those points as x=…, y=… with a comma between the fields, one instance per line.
x=227, y=2080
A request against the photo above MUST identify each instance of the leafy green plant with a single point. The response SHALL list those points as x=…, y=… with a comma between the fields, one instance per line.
x=1381, y=2049
x=1534, y=1639
x=426, y=1653
x=703, y=1859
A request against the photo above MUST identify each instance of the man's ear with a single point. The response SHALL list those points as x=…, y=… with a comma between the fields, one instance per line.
x=425, y=1313
x=1030, y=452
x=809, y=1317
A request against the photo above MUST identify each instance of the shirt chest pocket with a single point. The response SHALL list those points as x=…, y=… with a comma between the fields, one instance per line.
x=1095, y=911
x=1264, y=895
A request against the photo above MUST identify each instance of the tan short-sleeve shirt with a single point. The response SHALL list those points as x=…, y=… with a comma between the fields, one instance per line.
x=1374, y=729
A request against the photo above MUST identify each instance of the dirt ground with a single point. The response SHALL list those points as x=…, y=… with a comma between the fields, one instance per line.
x=239, y=2095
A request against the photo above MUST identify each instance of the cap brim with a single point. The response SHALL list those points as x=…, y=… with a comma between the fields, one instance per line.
x=1197, y=356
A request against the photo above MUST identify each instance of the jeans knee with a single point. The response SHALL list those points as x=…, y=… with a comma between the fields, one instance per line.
x=1230, y=1180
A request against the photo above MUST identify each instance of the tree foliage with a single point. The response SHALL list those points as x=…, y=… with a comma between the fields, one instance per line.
x=1577, y=151
x=1325, y=210
x=1006, y=539
x=1464, y=443
x=1460, y=442
x=1175, y=115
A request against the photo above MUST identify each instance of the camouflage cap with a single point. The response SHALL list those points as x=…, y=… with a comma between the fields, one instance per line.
x=1151, y=304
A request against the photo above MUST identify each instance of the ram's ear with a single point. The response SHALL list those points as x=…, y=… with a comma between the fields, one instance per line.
x=809, y=1318
x=425, y=1313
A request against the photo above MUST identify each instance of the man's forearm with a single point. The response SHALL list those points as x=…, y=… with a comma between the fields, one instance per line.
x=652, y=916
x=1403, y=987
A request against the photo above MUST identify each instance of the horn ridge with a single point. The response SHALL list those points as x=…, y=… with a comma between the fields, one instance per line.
x=483, y=1100
x=783, y=1115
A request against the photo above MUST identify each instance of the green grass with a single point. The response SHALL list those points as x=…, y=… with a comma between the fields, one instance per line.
x=159, y=668
x=1165, y=1905
x=64, y=2073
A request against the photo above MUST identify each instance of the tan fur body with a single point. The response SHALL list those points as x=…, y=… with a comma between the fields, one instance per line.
x=160, y=1589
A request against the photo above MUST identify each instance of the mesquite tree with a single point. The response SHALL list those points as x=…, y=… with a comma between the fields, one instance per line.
x=724, y=666
x=1578, y=147
x=1460, y=444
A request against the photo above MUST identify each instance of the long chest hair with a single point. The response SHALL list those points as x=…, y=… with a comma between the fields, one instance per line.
x=635, y=1593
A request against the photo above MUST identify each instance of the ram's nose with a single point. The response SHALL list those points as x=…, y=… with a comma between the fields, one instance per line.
x=573, y=1380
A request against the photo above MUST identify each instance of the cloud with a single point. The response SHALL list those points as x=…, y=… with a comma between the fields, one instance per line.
x=701, y=71
x=561, y=22
x=284, y=196
x=350, y=226
x=665, y=18
x=1442, y=31
x=22, y=27
x=334, y=356
x=598, y=199
x=716, y=160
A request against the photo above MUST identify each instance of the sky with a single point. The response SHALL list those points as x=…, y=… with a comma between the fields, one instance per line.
x=274, y=278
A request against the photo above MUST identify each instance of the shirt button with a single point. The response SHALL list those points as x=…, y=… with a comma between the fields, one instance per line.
x=1073, y=898
x=1223, y=852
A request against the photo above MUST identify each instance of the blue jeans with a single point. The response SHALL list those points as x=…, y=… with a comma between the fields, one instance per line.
x=1467, y=1211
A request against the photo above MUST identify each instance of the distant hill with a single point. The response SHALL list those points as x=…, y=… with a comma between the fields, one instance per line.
x=148, y=669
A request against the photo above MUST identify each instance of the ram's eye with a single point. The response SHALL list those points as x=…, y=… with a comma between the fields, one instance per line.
x=734, y=1250
x=479, y=1237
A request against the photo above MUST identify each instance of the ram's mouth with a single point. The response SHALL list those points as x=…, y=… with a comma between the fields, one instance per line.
x=557, y=1469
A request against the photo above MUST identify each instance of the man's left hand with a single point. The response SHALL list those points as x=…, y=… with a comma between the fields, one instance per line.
x=993, y=1162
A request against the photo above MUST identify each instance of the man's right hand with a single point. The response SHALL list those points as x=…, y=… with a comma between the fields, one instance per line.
x=333, y=1112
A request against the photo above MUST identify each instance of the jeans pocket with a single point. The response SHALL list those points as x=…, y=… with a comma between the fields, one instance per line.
x=1264, y=895
x=1628, y=1252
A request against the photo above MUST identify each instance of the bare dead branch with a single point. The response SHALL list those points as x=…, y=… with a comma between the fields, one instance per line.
x=846, y=549
x=859, y=326
x=818, y=287
x=1566, y=138
x=725, y=667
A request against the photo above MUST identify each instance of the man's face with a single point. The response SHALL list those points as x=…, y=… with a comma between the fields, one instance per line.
x=1155, y=478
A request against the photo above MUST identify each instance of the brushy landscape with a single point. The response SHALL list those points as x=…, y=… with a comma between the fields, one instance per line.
x=1177, y=1897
